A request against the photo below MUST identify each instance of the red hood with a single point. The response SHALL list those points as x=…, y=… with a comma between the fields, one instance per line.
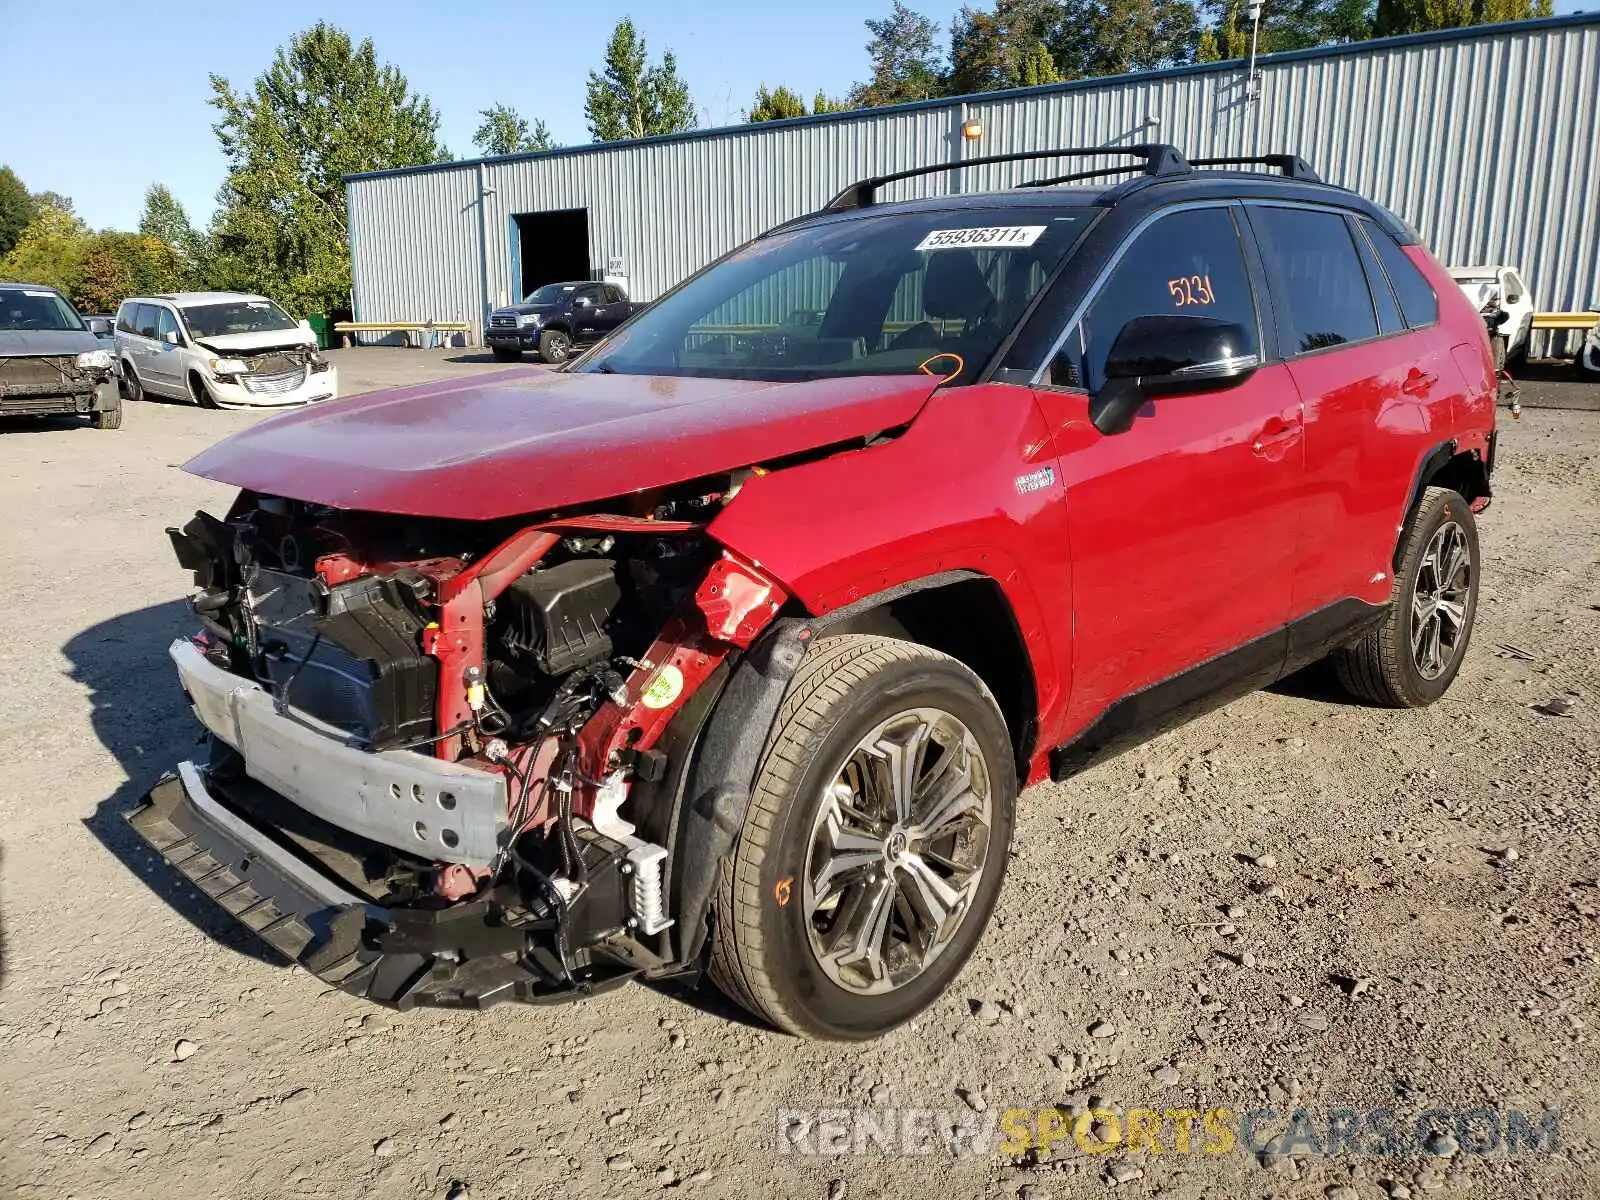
x=529, y=441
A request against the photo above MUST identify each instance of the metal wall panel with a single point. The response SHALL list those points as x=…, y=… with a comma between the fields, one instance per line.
x=1487, y=141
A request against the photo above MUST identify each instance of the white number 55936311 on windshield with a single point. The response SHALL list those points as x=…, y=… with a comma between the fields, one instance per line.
x=993, y=235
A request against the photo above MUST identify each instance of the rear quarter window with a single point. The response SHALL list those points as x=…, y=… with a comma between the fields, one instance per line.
x=1418, y=301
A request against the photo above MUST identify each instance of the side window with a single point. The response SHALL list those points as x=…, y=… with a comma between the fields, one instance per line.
x=609, y=295
x=1187, y=264
x=1417, y=299
x=1383, y=298
x=144, y=320
x=165, y=323
x=1322, y=290
x=125, y=318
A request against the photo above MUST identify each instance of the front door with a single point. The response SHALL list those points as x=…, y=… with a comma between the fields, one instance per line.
x=1182, y=527
x=165, y=361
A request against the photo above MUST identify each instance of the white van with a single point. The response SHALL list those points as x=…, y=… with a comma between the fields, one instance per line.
x=221, y=350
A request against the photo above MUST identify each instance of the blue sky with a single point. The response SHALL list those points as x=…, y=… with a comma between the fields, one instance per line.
x=130, y=105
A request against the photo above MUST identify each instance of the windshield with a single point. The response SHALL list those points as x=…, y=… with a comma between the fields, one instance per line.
x=37, y=308
x=876, y=295
x=550, y=293
x=236, y=316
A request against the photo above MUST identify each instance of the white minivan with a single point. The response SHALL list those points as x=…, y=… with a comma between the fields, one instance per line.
x=221, y=350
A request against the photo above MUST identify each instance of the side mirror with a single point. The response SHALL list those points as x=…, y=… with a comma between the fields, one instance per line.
x=1167, y=356
x=99, y=326
x=170, y=337
x=305, y=325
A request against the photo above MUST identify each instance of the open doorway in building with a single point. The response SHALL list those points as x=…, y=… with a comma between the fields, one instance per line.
x=549, y=247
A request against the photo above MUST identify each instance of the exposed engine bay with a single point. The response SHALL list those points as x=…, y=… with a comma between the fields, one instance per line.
x=274, y=360
x=394, y=679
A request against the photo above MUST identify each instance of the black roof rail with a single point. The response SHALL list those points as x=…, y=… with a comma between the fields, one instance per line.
x=1101, y=173
x=1291, y=165
x=1159, y=159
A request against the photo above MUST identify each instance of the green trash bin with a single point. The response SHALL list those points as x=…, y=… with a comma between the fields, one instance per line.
x=323, y=328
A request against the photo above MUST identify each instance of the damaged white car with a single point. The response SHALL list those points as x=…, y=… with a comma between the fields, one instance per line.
x=220, y=350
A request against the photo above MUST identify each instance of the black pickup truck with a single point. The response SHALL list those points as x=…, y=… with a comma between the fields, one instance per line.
x=556, y=317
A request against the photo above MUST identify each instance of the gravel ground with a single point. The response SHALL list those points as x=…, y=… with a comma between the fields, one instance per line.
x=1291, y=903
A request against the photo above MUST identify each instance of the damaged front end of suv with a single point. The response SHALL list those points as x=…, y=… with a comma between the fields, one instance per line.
x=453, y=734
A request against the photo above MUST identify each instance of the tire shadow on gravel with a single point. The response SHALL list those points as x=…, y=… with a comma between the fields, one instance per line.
x=141, y=717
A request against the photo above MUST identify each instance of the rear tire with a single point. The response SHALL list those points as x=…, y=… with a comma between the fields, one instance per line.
x=555, y=347
x=505, y=353
x=128, y=382
x=1411, y=659
x=828, y=916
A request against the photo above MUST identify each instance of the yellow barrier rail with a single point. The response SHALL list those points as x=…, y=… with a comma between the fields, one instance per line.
x=1564, y=320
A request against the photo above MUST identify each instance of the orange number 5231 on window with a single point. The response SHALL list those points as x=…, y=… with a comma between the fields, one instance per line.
x=1191, y=289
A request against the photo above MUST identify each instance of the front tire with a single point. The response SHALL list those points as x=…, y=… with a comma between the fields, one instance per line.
x=875, y=845
x=506, y=353
x=201, y=393
x=1411, y=659
x=107, y=418
x=555, y=347
x=1587, y=360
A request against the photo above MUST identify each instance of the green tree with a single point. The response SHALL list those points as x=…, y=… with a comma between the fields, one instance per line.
x=16, y=209
x=1418, y=16
x=325, y=108
x=55, y=200
x=164, y=219
x=779, y=104
x=50, y=251
x=904, y=64
x=632, y=99
x=824, y=103
x=504, y=131
x=1295, y=25
x=118, y=265
x=1012, y=46
x=1143, y=35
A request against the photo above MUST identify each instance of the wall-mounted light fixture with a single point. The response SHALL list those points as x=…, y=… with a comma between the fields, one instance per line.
x=972, y=129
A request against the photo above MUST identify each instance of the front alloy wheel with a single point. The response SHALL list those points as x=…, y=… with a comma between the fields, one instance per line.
x=875, y=842
x=554, y=346
x=897, y=851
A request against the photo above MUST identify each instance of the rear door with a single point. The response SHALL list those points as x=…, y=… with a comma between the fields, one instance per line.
x=1182, y=526
x=1377, y=382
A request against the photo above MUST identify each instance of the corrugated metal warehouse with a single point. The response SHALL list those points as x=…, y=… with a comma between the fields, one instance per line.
x=1487, y=140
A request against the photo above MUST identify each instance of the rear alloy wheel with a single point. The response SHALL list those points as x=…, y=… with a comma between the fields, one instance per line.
x=1410, y=660
x=554, y=346
x=875, y=844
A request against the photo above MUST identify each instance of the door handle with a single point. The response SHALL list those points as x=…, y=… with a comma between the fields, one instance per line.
x=1418, y=382
x=1276, y=436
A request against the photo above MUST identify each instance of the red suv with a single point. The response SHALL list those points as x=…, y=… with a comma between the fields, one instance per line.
x=728, y=647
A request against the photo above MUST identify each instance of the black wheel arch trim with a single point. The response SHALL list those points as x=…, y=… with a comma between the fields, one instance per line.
x=714, y=750
x=1432, y=463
